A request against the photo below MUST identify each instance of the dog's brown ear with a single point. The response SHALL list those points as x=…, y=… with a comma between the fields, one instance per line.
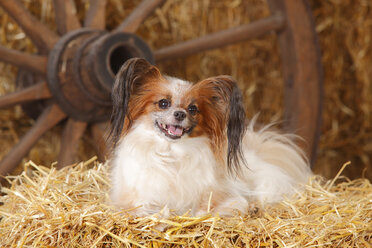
x=132, y=75
x=225, y=96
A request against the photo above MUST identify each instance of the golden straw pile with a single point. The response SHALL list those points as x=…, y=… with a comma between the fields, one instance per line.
x=44, y=207
x=345, y=34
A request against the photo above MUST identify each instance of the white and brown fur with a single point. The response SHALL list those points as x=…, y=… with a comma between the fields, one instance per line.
x=187, y=147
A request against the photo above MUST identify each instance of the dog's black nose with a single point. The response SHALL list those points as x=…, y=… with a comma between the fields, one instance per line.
x=179, y=115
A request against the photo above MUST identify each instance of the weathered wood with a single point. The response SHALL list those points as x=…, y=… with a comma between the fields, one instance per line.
x=223, y=38
x=301, y=63
x=138, y=15
x=64, y=78
x=34, y=63
x=70, y=139
x=48, y=119
x=95, y=17
x=40, y=34
x=65, y=16
x=35, y=92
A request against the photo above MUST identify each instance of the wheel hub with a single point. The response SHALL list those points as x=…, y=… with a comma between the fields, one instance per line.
x=82, y=67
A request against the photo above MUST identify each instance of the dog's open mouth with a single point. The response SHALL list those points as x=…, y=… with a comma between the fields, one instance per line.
x=172, y=131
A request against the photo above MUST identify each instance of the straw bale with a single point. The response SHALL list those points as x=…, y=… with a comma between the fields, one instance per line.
x=44, y=207
x=345, y=32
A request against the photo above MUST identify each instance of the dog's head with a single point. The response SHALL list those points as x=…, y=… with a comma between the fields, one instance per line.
x=177, y=109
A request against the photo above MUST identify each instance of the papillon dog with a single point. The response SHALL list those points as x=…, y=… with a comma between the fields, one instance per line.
x=188, y=147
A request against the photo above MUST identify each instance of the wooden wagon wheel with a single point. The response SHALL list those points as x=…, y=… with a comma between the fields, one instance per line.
x=73, y=71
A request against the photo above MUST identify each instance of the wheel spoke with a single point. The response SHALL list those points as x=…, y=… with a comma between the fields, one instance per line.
x=95, y=17
x=34, y=63
x=65, y=14
x=48, y=119
x=222, y=38
x=71, y=136
x=38, y=91
x=99, y=135
x=41, y=35
x=138, y=15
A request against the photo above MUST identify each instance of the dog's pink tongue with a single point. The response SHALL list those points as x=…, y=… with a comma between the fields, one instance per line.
x=177, y=131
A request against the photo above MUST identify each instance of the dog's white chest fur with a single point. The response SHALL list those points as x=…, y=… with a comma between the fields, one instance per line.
x=153, y=172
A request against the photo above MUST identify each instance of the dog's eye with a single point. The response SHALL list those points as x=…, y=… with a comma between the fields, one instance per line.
x=192, y=109
x=164, y=103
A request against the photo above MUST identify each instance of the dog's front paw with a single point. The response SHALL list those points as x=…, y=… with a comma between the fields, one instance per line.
x=254, y=209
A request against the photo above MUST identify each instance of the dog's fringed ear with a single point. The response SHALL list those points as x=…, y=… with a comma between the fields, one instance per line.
x=131, y=76
x=228, y=96
x=235, y=129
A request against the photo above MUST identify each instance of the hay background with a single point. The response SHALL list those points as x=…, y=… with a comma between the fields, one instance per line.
x=344, y=28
